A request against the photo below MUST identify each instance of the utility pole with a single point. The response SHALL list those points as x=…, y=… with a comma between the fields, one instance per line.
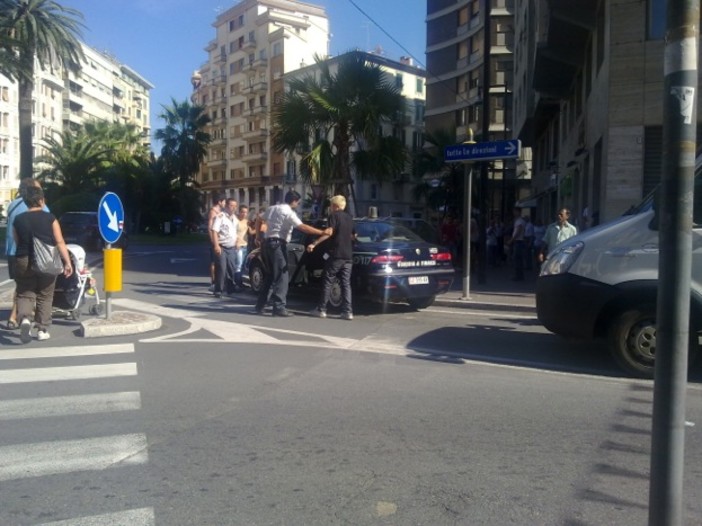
x=675, y=263
x=483, y=220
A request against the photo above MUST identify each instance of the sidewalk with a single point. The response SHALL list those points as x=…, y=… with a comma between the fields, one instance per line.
x=498, y=292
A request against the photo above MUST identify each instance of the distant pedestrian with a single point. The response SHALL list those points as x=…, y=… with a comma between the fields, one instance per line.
x=218, y=200
x=242, y=241
x=340, y=261
x=539, y=232
x=278, y=222
x=517, y=244
x=557, y=232
x=528, y=243
x=224, y=247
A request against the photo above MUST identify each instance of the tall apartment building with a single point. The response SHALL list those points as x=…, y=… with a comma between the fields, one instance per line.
x=456, y=84
x=389, y=198
x=593, y=108
x=257, y=42
x=102, y=90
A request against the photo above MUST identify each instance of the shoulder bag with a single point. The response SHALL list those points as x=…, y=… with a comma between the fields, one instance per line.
x=46, y=259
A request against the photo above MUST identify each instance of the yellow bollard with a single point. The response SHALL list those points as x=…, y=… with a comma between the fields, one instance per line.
x=113, y=269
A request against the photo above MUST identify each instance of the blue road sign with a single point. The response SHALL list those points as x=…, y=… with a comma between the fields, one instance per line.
x=110, y=217
x=483, y=151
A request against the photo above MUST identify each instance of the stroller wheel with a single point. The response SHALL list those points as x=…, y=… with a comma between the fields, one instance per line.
x=75, y=314
x=96, y=309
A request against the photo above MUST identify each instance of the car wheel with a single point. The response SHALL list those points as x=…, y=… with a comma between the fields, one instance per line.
x=421, y=303
x=256, y=276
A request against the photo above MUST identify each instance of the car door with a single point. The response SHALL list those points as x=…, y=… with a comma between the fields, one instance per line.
x=296, y=253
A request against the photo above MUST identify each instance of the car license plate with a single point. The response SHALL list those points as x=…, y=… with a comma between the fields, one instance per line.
x=418, y=280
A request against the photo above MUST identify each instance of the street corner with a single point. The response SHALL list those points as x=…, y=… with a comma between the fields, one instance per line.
x=120, y=323
x=6, y=296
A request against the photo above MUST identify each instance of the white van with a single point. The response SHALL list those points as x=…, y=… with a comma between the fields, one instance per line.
x=603, y=283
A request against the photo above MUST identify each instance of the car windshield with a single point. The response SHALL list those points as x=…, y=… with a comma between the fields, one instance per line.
x=76, y=219
x=376, y=231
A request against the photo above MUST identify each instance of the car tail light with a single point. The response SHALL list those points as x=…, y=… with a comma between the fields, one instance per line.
x=441, y=256
x=383, y=259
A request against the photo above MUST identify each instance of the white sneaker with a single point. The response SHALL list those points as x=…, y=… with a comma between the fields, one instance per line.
x=346, y=316
x=318, y=313
x=43, y=335
x=25, y=329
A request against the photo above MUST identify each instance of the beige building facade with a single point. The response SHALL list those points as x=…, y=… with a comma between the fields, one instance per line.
x=256, y=43
x=102, y=90
x=589, y=101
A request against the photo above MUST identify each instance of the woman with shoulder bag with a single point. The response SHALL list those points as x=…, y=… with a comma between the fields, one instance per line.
x=35, y=291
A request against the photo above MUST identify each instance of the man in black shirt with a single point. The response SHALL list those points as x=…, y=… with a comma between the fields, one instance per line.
x=340, y=258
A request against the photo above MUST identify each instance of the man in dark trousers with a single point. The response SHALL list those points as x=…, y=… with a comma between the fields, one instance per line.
x=339, y=260
x=279, y=221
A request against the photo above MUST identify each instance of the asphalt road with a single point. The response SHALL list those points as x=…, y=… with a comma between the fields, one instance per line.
x=220, y=417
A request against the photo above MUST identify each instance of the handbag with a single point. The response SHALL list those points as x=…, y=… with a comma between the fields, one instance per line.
x=47, y=259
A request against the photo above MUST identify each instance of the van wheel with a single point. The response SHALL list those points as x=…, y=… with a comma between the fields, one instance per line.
x=632, y=340
x=256, y=277
x=421, y=303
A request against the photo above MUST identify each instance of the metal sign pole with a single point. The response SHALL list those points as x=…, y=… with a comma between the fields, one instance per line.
x=468, y=191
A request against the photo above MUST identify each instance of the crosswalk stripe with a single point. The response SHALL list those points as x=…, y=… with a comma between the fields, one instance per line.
x=152, y=308
x=53, y=352
x=66, y=456
x=69, y=405
x=137, y=517
x=77, y=372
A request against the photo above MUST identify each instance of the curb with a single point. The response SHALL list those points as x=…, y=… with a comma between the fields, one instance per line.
x=120, y=323
x=483, y=305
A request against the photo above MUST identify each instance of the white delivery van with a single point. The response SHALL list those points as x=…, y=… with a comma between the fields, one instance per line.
x=603, y=283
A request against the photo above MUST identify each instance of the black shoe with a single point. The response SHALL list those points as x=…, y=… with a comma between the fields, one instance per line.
x=283, y=313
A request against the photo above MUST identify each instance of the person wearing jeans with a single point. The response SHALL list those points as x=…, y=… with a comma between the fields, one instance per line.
x=340, y=260
x=242, y=241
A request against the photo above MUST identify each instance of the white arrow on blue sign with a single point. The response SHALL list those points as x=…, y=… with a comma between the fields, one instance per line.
x=483, y=151
x=110, y=217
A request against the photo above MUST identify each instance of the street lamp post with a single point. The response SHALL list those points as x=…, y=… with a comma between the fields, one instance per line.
x=467, y=209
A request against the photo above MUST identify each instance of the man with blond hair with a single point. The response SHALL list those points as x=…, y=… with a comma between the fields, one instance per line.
x=340, y=260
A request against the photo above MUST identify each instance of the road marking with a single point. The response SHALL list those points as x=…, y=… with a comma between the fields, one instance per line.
x=65, y=456
x=462, y=311
x=53, y=352
x=153, y=308
x=137, y=517
x=76, y=372
x=69, y=405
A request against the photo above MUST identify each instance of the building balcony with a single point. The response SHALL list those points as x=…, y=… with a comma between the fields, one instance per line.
x=263, y=180
x=255, y=158
x=256, y=88
x=249, y=43
x=255, y=65
x=216, y=163
x=558, y=59
x=254, y=135
x=256, y=111
x=73, y=117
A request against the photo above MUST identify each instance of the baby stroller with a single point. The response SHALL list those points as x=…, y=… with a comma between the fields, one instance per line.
x=71, y=292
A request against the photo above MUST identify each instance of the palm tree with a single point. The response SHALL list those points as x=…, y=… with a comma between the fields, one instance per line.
x=342, y=113
x=45, y=31
x=185, y=143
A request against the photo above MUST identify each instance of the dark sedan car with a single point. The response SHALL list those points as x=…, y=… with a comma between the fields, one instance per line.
x=82, y=229
x=390, y=264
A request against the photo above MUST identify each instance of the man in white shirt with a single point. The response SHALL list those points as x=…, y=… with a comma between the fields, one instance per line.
x=224, y=229
x=557, y=232
x=517, y=243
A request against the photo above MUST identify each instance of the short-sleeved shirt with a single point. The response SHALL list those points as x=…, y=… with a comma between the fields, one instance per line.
x=226, y=228
x=341, y=241
x=557, y=234
x=280, y=221
x=518, y=233
x=15, y=208
x=29, y=225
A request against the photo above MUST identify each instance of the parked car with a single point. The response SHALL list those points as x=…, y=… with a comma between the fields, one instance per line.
x=390, y=264
x=82, y=229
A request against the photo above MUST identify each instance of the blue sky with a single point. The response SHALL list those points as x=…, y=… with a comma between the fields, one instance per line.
x=164, y=40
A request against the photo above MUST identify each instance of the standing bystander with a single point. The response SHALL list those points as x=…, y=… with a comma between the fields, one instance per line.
x=340, y=258
x=517, y=243
x=242, y=241
x=224, y=231
x=557, y=232
x=278, y=222
x=217, y=208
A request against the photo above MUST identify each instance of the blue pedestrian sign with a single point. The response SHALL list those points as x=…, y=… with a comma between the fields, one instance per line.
x=110, y=217
x=483, y=151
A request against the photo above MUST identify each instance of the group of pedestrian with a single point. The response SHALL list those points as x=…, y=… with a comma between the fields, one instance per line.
x=229, y=230
x=233, y=233
x=28, y=218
